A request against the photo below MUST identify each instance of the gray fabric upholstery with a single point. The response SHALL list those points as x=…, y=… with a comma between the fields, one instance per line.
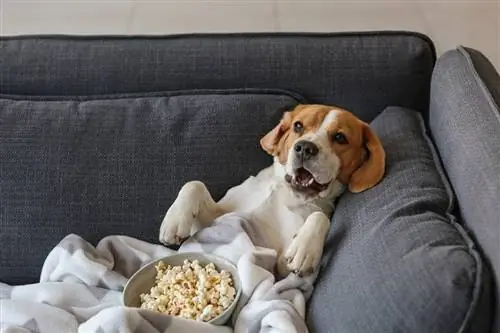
x=76, y=155
x=98, y=167
x=363, y=72
x=465, y=124
x=397, y=260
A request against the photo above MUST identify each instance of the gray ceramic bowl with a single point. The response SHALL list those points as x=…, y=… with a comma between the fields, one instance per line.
x=144, y=278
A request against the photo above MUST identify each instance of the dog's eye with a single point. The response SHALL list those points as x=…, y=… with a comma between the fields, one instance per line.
x=298, y=127
x=340, y=138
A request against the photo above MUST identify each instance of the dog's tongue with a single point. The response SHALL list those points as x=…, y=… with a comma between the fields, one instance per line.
x=304, y=177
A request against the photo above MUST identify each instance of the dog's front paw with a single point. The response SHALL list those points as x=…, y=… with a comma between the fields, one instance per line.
x=178, y=222
x=303, y=255
x=304, y=252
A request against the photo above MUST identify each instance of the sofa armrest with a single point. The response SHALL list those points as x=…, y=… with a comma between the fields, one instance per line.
x=465, y=123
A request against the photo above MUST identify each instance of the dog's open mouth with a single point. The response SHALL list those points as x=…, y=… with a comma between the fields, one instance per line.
x=303, y=180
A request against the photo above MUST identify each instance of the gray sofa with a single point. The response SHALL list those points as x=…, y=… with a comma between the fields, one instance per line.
x=97, y=134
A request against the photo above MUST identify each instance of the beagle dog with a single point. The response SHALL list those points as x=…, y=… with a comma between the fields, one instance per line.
x=318, y=151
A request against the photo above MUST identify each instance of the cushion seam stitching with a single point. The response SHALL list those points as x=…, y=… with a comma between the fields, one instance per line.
x=159, y=94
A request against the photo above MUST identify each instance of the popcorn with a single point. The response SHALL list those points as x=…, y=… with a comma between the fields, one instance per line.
x=190, y=291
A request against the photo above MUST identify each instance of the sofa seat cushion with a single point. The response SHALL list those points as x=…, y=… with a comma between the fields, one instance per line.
x=98, y=166
x=397, y=260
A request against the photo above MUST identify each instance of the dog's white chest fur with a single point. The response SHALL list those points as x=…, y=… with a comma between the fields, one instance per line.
x=274, y=208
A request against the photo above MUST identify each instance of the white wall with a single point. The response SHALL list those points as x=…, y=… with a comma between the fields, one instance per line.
x=474, y=23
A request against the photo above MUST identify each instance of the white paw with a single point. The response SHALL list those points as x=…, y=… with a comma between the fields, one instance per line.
x=303, y=254
x=178, y=222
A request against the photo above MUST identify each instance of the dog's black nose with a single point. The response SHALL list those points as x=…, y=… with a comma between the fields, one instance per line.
x=305, y=149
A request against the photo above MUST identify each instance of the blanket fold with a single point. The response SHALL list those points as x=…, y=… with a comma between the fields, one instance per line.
x=81, y=285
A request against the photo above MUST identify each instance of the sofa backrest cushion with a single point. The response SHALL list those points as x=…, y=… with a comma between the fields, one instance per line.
x=102, y=166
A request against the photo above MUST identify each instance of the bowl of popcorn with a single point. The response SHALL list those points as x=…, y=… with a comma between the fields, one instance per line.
x=193, y=286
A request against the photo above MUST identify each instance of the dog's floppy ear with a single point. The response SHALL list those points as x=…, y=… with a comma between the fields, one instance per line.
x=270, y=141
x=373, y=169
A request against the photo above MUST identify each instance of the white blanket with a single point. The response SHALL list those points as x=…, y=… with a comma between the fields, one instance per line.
x=81, y=285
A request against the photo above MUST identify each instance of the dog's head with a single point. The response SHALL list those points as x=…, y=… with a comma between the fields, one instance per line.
x=315, y=145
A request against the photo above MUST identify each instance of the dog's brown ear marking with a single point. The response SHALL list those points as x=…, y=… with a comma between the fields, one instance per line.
x=373, y=169
x=270, y=141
